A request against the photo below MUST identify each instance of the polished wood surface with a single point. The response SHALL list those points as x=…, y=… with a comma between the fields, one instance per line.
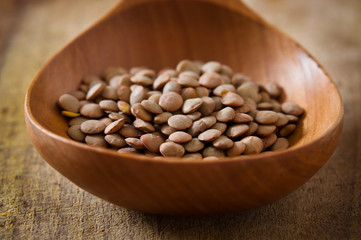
x=178, y=168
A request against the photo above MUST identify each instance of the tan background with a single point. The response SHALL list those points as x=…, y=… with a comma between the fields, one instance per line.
x=38, y=203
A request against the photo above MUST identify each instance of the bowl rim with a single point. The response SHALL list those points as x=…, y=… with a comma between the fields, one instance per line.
x=264, y=156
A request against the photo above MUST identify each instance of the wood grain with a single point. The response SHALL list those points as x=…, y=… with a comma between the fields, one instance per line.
x=38, y=203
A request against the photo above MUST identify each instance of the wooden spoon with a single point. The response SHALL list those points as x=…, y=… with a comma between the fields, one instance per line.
x=159, y=34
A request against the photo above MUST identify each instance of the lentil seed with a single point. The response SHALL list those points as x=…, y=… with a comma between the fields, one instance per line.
x=237, y=130
x=108, y=105
x=222, y=142
x=266, y=117
x=194, y=145
x=237, y=149
x=179, y=122
x=138, y=111
x=170, y=101
x=226, y=114
x=180, y=137
x=232, y=99
x=114, y=126
x=135, y=143
x=115, y=140
x=207, y=107
x=291, y=108
x=197, y=128
x=102, y=106
x=212, y=152
x=151, y=106
x=171, y=149
x=94, y=91
x=96, y=140
x=143, y=126
x=280, y=144
x=152, y=141
x=191, y=105
x=210, y=80
x=287, y=130
x=76, y=133
x=269, y=140
x=69, y=103
x=91, y=110
x=162, y=118
x=209, y=135
x=253, y=145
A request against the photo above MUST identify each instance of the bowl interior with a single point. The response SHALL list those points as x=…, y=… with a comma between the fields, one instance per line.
x=145, y=36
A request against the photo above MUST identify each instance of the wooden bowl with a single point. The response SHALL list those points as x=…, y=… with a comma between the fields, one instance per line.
x=161, y=33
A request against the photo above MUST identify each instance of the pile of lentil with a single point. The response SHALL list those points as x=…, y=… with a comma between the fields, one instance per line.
x=198, y=110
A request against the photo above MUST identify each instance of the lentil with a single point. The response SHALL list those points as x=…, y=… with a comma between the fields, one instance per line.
x=142, y=112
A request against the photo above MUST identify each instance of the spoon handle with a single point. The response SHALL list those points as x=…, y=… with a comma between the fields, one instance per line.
x=235, y=5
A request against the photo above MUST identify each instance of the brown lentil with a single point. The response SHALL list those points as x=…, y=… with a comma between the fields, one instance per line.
x=114, y=126
x=220, y=126
x=151, y=106
x=226, y=114
x=197, y=127
x=75, y=133
x=212, y=66
x=191, y=105
x=135, y=143
x=110, y=92
x=115, y=140
x=143, y=126
x=209, y=135
x=269, y=140
x=192, y=155
x=194, y=116
x=188, y=93
x=152, y=141
x=265, y=130
x=180, y=137
x=129, y=131
x=180, y=122
x=237, y=149
x=223, y=89
x=212, y=152
x=138, y=111
x=194, y=145
x=210, y=80
x=237, y=130
x=207, y=107
x=232, y=99
x=92, y=126
x=94, y=91
x=127, y=150
x=96, y=140
x=172, y=86
x=253, y=145
x=222, y=142
x=266, y=117
x=170, y=101
x=280, y=144
x=287, y=130
x=201, y=101
x=162, y=118
x=77, y=121
x=171, y=149
x=108, y=105
x=242, y=118
x=167, y=130
x=291, y=108
x=69, y=103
